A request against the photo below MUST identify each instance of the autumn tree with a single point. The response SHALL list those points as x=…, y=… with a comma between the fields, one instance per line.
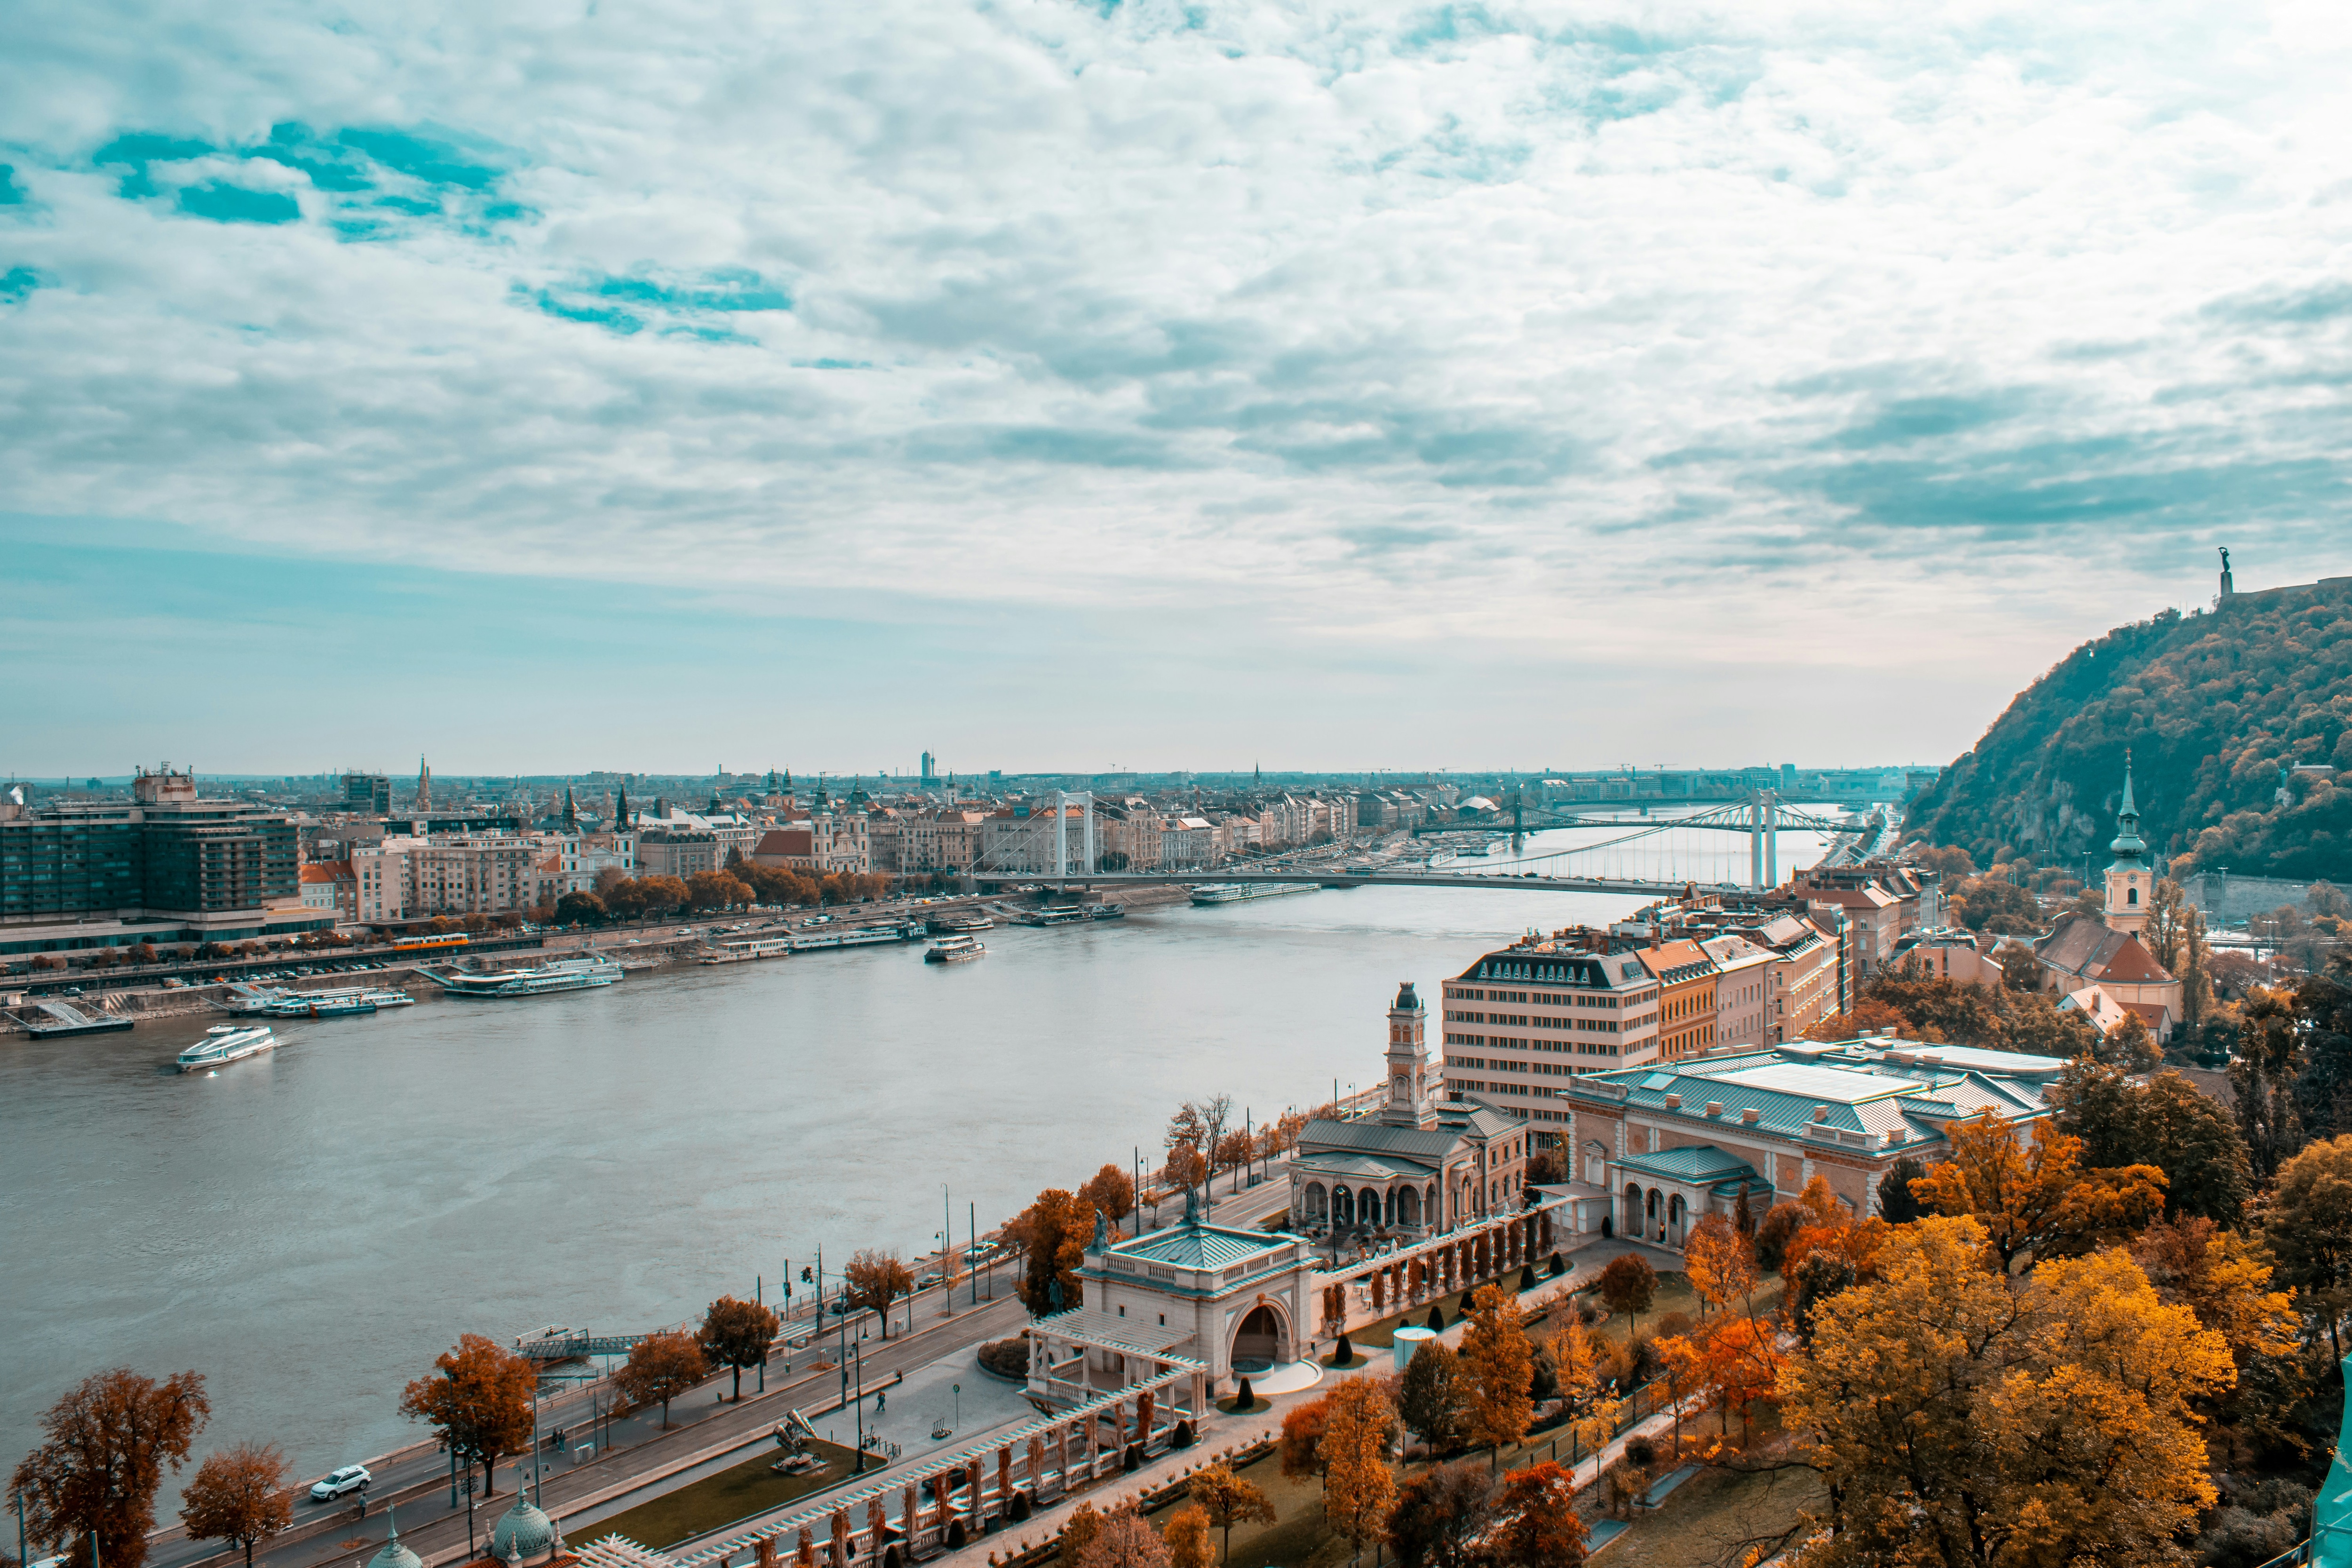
x=240, y=1496
x=661, y=1367
x=1357, y=1487
x=2164, y=1122
x=736, y=1334
x=1186, y=1533
x=1962, y=1417
x=1629, y=1285
x=2036, y=1201
x=1111, y=1193
x=1430, y=1398
x=481, y=1403
x=1577, y=1365
x=104, y=1449
x=1538, y=1525
x=2219, y=1275
x=1720, y=1263
x=2308, y=1223
x=1232, y=1152
x=1124, y=1540
x=1185, y=1166
x=1439, y=1517
x=1079, y=1532
x=1229, y=1500
x=872, y=1279
x=1496, y=1362
x=1302, y=1439
x=2263, y=1077
x=1052, y=1234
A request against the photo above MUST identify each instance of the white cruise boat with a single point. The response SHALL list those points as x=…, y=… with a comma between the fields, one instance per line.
x=557, y=974
x=226, y=1043
x=954, y=950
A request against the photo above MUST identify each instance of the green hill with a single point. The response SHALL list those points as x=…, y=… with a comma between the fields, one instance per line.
x=2212, y=706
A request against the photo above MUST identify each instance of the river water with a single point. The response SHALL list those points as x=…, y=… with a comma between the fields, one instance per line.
x=310, y=1227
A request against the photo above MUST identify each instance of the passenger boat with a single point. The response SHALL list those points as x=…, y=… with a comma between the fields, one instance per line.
x=971, y=920
x=1053, y=917
x=954, y=950
x=226, y=1043
x=344, y=1002
x=1105, y=911
x=858, y=936
x=558, y=975
x=1235, y=892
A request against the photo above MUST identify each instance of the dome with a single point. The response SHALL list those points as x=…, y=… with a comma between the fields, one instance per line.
x=395, y=1555
x=523, y=1532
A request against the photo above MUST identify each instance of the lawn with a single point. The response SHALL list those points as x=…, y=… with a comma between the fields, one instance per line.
x=736, y=1493
x=1712, y=1518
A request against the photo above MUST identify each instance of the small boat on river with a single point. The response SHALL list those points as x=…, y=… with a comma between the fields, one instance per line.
x=225, y=1043
x=954, y=950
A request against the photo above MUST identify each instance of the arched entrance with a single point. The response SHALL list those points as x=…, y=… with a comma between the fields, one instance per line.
x=1260, y=1340
x=1317, y=1206
x=1408, y=1205
x=1343, y=1206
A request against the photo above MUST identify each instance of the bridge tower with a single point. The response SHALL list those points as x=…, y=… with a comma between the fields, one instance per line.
x=1063, y=801
x=1763, y=839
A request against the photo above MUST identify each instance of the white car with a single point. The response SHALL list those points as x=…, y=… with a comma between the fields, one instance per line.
x=350, y=1478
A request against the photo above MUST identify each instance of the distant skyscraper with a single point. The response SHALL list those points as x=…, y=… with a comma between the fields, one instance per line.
x=931, y=768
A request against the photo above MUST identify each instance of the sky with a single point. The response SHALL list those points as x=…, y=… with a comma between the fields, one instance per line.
x=543, y=387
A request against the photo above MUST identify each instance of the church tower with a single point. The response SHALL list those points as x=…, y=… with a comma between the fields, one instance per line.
x=2130, y=882
x=1412, y=1092
x=424, y=787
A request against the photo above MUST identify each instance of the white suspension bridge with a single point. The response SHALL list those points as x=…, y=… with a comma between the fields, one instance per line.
x=1659, y=856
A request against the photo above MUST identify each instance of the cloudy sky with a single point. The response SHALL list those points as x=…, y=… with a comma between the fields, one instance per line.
x=1054, y=384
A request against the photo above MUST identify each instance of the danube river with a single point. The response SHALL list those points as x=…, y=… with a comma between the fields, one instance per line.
x=309, y=1229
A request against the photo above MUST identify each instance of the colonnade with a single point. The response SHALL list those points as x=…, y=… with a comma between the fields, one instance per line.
x=1369, y=1291
x=1043, y=1461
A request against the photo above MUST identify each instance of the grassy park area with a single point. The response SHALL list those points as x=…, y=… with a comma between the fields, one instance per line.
x=749, y=1487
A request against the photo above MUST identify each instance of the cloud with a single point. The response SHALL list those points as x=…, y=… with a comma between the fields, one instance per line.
x=1686, y=317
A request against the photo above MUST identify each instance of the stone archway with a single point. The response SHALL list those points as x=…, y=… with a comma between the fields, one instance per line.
x=1631, y=1224
x=1408, y=1205
x=1260, y=1340
x=1319, y=1203
x=1343, y=1207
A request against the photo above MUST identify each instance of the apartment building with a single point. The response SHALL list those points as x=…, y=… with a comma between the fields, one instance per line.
x=1187, y=844
x=938, y=841
x=1023, y=840
x=679, y=852
x=1685, y=978
x=412, y=876
x=1520, y=1020
x=329, y=886
x=1743, y=990
x=1808, y=977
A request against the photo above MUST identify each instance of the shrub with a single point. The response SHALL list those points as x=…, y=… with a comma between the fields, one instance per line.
x=1559, y=1265
x=1021, y=1507
x=1437, y=1320
x=1342, y=1352
x=1243, y=1395
x=1641, y=1451
x=890, y=1558
x=1669, y=1324
x=1006, y=1358
x=1526, y=1276
x=1182, y=1436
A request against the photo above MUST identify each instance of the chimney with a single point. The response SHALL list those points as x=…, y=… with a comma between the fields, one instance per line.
x=1751, y=1116
x=1821, y=1113
x=1715, y=1108
x=1674, y=1102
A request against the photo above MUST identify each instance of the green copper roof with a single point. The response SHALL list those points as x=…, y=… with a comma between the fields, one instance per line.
x=1201, y=1246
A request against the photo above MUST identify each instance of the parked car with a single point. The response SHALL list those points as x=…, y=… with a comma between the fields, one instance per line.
x=818, y=920
x=340, y=1483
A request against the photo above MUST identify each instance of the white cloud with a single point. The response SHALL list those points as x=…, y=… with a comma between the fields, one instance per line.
x=1542, y=327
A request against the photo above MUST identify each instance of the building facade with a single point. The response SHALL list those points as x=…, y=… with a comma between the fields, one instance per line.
x=1520, y=1020
x=1673, y=1145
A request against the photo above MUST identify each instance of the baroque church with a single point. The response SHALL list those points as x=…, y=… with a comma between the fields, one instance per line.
x=2090, y=961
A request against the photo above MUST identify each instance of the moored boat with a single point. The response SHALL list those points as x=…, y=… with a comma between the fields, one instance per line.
x=226, y=1043
x=1235, y=892
x=558, y=975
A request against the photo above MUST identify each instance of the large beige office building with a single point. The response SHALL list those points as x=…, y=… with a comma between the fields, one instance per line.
x=1519, y=1021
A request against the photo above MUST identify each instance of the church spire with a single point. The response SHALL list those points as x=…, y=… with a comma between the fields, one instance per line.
x=2131, y=885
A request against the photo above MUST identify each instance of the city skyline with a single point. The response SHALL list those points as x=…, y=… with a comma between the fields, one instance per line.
x=1238, y=381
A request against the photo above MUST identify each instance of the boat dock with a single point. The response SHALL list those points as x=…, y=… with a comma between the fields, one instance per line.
x=50, y=1020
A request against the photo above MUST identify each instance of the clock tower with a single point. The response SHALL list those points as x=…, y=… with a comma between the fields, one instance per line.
x=1412, y=1092
x=2131, y=883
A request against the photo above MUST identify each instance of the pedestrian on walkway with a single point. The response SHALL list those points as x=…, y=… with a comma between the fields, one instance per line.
x=878, y=1400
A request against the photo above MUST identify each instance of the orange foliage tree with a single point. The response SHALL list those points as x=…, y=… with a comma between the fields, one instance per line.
x=239, y=1495
x=481, y=1403
x=1495, y=1363
x=2035, y=1202
x=104, y=1449
x=1540, y=1527
x=660, y=1368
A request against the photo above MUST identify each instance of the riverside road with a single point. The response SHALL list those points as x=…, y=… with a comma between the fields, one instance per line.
x=636, y=1458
